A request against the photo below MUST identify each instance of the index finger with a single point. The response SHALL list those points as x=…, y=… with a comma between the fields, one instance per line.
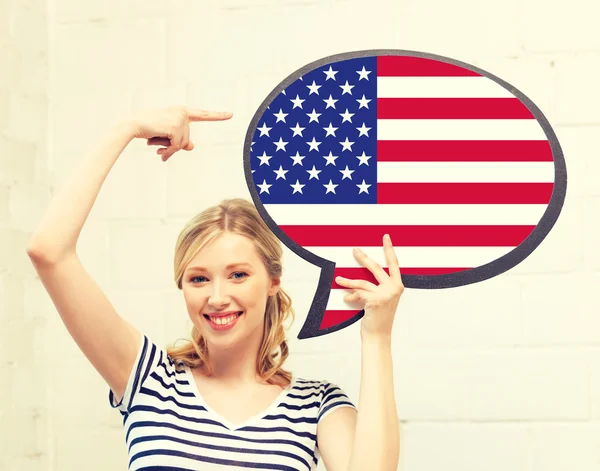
x=195, y=114
x=392, y=260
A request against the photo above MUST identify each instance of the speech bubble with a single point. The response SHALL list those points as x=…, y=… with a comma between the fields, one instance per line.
x=461, y=169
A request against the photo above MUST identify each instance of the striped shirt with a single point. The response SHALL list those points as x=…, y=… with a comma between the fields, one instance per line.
x=169, y=427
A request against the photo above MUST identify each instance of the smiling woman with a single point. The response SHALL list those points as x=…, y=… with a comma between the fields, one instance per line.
x=223, y=401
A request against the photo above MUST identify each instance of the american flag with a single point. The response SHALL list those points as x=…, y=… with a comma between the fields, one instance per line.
x=447, y=161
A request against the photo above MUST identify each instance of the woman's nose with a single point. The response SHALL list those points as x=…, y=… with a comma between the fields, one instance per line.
x=218, y=297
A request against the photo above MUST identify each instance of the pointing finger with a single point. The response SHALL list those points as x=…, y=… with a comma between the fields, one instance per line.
x=195, y=114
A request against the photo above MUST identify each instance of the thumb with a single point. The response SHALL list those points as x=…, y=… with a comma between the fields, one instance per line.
x=190, y=146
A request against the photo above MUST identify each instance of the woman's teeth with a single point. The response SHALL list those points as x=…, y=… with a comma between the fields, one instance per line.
x=224, y=320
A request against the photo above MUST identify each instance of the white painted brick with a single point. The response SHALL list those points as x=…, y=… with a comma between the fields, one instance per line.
x=136, y=58
x=560, y=309
x=561, y=251
x=11, y=296
x=204, y=177
x=4, y=109
x=160, y=96
x=532, y=76
x=529, y=385
x=13, y=256
x=29, y=28
x=594, y=366
x=558, y=26
x=70, y=11
x=564, y=446
x=11, y=73
x=466, y=447
x=577, y=97
x=484, y=314
x=582, y=158
x=29, y=117
x=4, y=204
x=17, y=160
x=27, y=205
x=459, y=29
x=35, y=75
x=591, y=234
x=141, y=257
x=177, y=323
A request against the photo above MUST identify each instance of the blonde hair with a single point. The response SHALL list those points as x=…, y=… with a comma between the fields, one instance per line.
x=238, y=216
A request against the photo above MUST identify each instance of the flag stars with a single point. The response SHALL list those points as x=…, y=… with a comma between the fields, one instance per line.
x=330, y=102
x=363, y=102
x=314, y=88
x=330, y=130
x=297, y=130
x=363, y=130
x=347, y=173
x=346, y=116
x=264, y=187
x=297, y=158
x=314, y=145
x=297, y=187
x=264, y=159
x=330, y=187
x=298, y=102
x=280, y=144
x=280, y=116
x=330, y=159
x=363, y=159
x=346, y=145
x=280, y=173
x=330, y=73
x=314, y=173
x=363, y=74
x=347, y=88
x=363, y=187
x=314, y=116
x=264, y=130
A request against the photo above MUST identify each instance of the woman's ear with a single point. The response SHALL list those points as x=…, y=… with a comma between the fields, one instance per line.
x=275, y=285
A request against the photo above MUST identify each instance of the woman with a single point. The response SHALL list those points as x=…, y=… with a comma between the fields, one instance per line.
x=224, y=401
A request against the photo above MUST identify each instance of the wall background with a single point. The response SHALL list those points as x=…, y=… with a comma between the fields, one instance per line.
x=504, y=374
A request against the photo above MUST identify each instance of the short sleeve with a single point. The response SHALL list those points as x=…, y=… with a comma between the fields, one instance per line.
x=332, y=398
x=148, y=358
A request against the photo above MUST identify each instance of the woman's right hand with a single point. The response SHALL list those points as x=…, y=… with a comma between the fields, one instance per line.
x=170, y=127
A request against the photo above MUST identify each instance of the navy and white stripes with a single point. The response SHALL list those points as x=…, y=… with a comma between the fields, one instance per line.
x=168, y=427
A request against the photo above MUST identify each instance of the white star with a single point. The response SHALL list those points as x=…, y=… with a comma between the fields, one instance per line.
x=346, y=145
x=363, y=187
x=347, y=88
x=347, y=173
x=298, y=102
x=253, y=171
x=363, y=74
x=330, y=73
x=314, y=116
x=264, y=187
x=297, y=187
x=251, y=144
x=314, y=145
x=330, y=187
x=330, y=130
x=264, y=131
x=314, y=88
x=364, y=131
x=280, y=173
x=297, y=130
x=314, y=173
x=297, y=158
x=281, y=145
x=330, y=102
x=264, y=159
x=364, y=159
x=346, y=116
x=280, y=116
x=330, y=159
x=363, y=102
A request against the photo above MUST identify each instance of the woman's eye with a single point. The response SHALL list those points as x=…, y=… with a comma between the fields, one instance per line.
x=239, y=273
x=195, y=278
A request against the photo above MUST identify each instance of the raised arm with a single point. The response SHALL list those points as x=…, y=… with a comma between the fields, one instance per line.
x=107, y=340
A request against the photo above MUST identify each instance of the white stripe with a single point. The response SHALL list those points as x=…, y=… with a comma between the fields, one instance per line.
x=459, y=129
x=421, y=257
x=406, y=214
x=465, y=172
x=440, y=87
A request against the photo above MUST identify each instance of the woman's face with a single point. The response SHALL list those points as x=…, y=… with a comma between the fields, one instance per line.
x=225, y=287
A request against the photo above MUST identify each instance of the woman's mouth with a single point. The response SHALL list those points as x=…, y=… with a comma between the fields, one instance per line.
x=223, y=322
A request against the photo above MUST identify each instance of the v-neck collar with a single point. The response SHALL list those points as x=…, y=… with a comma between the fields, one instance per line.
x=225, y=422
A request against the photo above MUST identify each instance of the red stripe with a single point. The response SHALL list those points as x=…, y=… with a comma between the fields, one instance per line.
x=452, y=108
x=464, y=151
x=407, y=66
x=408, y=236
x=464, y=193
x=331, y=318
x=365, y=273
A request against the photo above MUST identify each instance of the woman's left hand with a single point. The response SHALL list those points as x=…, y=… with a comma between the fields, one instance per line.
x=380, y=301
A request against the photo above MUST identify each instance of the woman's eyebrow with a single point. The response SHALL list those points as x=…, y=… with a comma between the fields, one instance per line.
x=231, y=265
